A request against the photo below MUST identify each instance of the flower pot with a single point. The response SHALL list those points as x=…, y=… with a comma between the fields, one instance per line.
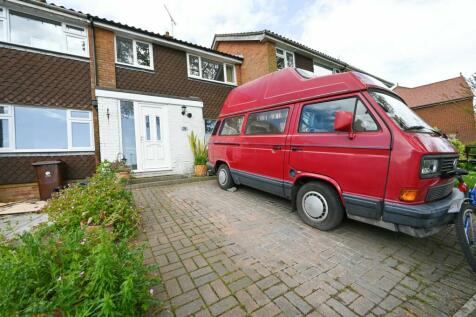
x=123, y=175
x=200, y=170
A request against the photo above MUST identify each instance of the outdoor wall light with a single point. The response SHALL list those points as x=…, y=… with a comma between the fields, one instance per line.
x=184, y=112
x=94, y=103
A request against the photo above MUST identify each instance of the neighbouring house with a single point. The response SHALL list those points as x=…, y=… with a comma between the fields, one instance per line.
x=264, y=52
x=46, y=110
x=81, y=89
x=446, y=105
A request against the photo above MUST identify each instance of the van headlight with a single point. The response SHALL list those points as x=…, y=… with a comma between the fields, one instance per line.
x=429, y=166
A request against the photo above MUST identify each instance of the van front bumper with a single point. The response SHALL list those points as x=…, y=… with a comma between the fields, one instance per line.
x=424, y=216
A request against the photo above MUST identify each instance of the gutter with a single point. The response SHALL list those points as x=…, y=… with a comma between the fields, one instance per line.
x=441, y=103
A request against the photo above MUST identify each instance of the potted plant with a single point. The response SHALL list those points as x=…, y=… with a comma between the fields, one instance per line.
x=200, y=154
x=121, y=169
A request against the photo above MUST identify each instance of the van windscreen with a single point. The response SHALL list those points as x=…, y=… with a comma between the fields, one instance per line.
x=399, y=112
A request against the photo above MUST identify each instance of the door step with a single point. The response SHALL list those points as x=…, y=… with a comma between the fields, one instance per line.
x=164, y=180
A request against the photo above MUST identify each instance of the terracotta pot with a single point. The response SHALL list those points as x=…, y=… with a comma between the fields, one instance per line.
x=123, y=175
x=200, y=170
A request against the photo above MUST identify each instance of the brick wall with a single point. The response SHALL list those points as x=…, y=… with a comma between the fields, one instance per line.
x=18, y=169
x=304, y=62
x=169, y=77
x=455, y=118
x=259, y=57
x=28, y=78
x=105, y=58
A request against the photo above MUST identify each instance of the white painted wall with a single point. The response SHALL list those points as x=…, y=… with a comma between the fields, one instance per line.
x=179, y=126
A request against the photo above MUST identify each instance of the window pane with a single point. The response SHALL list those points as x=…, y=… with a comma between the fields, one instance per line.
x=143, y=54
x=232, y=126
x=193, y=62
x=147, y=128
x=81, y=134
x=124, y=50
x=320, y=117
x=157, y=127
x=128, y=133
x=74, y=29
x=2, y=30
x=321, y=71
x=279, y=51
x=4, y=133
x=230, y=73
x=212, y=70
x=268, y=122
x=3, y=110
x=40, y=128
x=76, y=45
x=289, y=59
x=210, y=126
x=363, y=121
x=36, y=32
x=279, y=62
x=80, y=114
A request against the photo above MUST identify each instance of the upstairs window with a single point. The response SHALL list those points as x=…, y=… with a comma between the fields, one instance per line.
x=32, y=31
x=321, y=70
x=284, y=58
x=134, y=53
x=204, y=68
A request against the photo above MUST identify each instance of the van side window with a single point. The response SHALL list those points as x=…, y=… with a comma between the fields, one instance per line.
x=267, y=122
x=319, y=117
x=215, y=128
x=231, y=126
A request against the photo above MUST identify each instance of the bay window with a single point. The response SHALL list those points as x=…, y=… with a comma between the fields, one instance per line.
x=207, y=69
x=37, y=32
x=284, y=58
x=133, y=53
x=40, y=129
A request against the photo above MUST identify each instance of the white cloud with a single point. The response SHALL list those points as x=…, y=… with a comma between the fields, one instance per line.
x=411, y=42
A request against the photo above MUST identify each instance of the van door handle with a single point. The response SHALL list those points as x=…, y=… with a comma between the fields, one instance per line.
x=295, y=149
x=277, y=147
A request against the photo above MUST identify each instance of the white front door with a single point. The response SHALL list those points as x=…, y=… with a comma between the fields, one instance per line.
x=153, y=144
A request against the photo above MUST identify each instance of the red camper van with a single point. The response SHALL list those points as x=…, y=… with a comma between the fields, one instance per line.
x=336, y=145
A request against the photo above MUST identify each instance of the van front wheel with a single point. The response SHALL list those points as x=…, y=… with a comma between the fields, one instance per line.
x=224, y=178
x=319, y=206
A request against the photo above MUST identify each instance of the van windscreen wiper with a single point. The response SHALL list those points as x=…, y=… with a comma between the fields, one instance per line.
x=420, y=127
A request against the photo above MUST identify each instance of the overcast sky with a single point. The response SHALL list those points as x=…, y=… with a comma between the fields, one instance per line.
x=409, y=42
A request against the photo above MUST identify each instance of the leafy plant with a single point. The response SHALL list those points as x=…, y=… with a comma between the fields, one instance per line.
x=84, y=263
x=459, y=146
x=199, y=149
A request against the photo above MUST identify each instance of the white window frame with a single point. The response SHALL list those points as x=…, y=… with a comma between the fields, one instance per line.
x=332, y=70
x=200, y=76
x=134, y=53
x=11, y=131
x=285, y=57
x=84, y=36
x=10, y=116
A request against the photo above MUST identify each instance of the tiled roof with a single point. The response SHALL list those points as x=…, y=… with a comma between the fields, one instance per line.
x=439, y=92
x=301, y=46
x=131, y=28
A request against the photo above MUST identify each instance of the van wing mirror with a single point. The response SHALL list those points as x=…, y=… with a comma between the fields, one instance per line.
x=343, y=121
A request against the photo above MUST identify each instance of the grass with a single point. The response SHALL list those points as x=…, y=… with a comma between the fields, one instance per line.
x=470, y=179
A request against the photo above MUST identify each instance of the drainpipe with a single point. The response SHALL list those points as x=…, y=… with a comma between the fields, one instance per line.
x=95, y=102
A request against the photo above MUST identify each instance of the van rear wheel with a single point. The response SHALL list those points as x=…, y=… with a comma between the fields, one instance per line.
x=319, y=206
x=224, y=178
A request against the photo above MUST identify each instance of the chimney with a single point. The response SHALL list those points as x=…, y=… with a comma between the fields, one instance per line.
x=167, y=34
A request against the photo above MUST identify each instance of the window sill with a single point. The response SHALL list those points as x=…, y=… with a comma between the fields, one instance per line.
x=42, y=51
x=134, y=67
x=212, y=81
x=11, y=151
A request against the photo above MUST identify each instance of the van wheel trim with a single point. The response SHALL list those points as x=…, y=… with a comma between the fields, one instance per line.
x=223, y=177
x=315, y=206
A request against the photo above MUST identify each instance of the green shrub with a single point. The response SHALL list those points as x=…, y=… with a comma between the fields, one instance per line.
x=199, y=149
x=104, y=201
x=84, y=263
x=459, y=146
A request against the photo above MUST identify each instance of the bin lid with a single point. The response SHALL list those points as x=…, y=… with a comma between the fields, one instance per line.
x=47, y=163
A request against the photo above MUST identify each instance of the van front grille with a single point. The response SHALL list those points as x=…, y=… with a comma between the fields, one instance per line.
x=439, y=192
x=447, y=164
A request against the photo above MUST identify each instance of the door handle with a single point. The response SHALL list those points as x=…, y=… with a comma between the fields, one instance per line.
x=295, y=149
x=277, y=147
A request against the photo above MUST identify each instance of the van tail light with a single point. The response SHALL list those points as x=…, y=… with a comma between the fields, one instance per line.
x=408, y=195
x=462, y=187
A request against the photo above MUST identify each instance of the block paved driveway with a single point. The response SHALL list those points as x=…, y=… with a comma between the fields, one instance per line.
x=244, y=253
